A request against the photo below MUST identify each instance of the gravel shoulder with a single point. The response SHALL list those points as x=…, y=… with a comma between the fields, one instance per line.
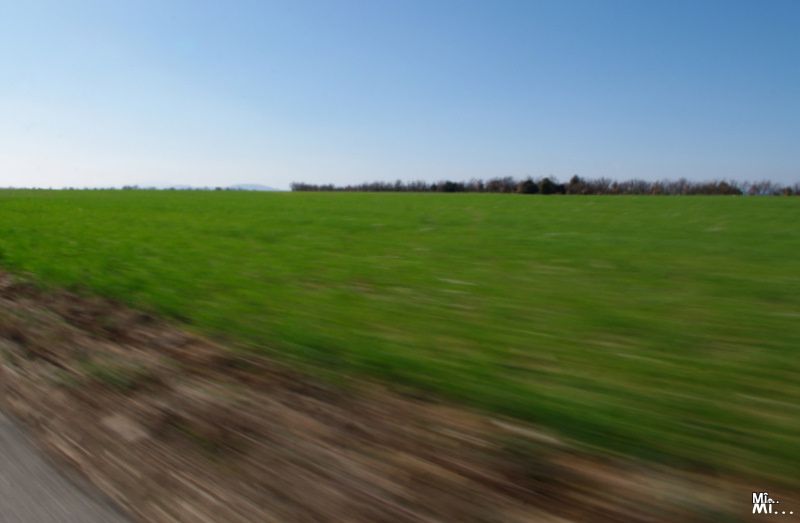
x=33, y=491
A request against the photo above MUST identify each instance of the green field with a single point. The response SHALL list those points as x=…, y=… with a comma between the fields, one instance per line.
x=667, y=328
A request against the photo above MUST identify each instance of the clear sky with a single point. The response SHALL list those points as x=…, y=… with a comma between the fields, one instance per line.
x=216, y=93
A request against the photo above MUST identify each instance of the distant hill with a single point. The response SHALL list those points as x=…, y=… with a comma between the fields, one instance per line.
x=251, y=187
x=182, y=187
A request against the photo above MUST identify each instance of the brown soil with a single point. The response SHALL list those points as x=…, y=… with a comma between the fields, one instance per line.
x=176, y=428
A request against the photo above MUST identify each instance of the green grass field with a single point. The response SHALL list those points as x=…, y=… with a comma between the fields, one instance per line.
x=667, y=328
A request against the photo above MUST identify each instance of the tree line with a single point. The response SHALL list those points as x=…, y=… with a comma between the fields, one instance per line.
x=576, y=185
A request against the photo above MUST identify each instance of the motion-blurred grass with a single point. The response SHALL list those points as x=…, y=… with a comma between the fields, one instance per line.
x=666, y=328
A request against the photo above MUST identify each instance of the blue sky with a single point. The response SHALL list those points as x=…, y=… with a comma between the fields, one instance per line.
x=215, y=93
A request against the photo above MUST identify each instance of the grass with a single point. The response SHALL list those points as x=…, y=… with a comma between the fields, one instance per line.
x=667, y=328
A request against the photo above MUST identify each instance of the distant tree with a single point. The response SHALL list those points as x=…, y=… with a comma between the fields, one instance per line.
x=764, y=188
x=527, y=186
x=475, y=185
x=576, y=185
x=727, y=188
x=494, y=185
x=548, y=186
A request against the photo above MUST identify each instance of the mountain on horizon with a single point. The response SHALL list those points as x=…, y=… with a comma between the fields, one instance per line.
x=184, y=187
x=251, y=187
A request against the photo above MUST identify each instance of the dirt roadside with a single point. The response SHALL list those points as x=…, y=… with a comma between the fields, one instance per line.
x=175, y=428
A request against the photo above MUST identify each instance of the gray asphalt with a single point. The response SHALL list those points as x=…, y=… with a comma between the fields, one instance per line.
x=33, y=491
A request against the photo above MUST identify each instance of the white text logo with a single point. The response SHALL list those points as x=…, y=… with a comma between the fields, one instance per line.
x=763, y=504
